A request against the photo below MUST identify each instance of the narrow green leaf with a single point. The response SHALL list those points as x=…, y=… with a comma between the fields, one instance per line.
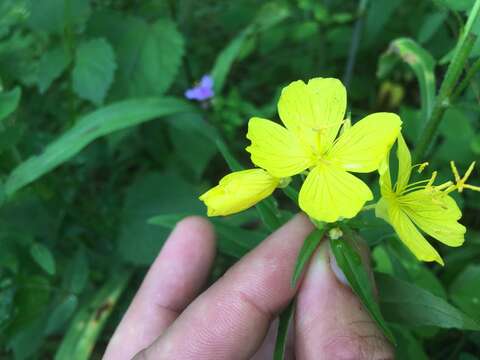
x=268, y=15
x=410, y=305
x=43, y=257
x=283, y=324
x=306, y=252
x=94, y=68
x=88, y=323
x=422, y=64
x=348, y=258
x=101, y=122
x=9, y=102
x=61, y=313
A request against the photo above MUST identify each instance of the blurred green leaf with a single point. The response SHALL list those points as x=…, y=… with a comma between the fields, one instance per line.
x=347, y=253
x=77, y=272
x=9, y=102
x=379, y=13
x=88, y=128
x=54, y=15
x=88, y=323
x=457, y=5
x=51, y=65
x=148, y=55
x=7, y=295
x=422, y=64
x=431, y=25
x=31, y=300
x=152, y=194
x=62, y=312
x=465, y=292
x=306, y=252
x=43, y=257
x=232, y=240
x=269, y=15
x=94, y=69
x=410, y=305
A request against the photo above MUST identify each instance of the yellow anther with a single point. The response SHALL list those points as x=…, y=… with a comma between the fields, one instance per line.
x=432, y=179
x=422, y=167
x=460, y=182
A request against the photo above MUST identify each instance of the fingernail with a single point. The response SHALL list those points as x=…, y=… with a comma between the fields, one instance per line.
x=337, y=271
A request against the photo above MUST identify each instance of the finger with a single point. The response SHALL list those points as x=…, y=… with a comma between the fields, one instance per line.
x=330, y=321
x=230, y=320
x=169, y=286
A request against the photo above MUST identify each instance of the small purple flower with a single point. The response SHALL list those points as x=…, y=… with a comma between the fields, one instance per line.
x=203, y=91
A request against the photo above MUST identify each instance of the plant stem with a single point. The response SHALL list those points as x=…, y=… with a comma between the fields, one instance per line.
x=462, y=51
x=468, y=78
x=69, y=44
x=352, y=55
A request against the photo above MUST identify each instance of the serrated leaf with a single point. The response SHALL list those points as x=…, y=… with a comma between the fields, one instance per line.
x=94, y=69
x=51, y=65
x=101, y=122
x=43, y=257
x=54, y=15
x=348, y=258
x=410, y=305
x=422, y=64
x=149, y=55
x=9, y=102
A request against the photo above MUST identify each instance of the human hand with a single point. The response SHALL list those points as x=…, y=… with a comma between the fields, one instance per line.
x=235, y=317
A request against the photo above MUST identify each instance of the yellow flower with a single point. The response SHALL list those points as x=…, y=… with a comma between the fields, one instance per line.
x=313, y=114
x=408, y=207
x=238, y=191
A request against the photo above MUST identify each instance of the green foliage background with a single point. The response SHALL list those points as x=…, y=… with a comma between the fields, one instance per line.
x=96, y=138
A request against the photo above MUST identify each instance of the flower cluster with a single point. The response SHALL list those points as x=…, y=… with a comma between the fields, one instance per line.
x=322, y=146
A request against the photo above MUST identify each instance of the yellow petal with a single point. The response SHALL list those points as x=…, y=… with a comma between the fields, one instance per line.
x=362, y=147
x=436, y=215
x=404, y=164
x=330, y=193
x=239, y=191
x=276, y=149
x=385, y=179
x=411, y=236
x=314, y=110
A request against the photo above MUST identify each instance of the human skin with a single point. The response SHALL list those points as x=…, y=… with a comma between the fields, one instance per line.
x=235, y=318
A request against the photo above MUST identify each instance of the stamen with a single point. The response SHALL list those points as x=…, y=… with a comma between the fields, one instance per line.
x=422, y=167
x=455, y=171
x=432, y=179
x=461, y=182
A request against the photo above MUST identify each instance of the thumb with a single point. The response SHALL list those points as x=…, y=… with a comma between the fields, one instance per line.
x=330, y=321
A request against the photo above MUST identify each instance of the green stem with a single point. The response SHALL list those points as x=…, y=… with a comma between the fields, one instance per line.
x=352, y=55
x=369, y=207
x=69, y=44
x=468, y=78
x=462, y=51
